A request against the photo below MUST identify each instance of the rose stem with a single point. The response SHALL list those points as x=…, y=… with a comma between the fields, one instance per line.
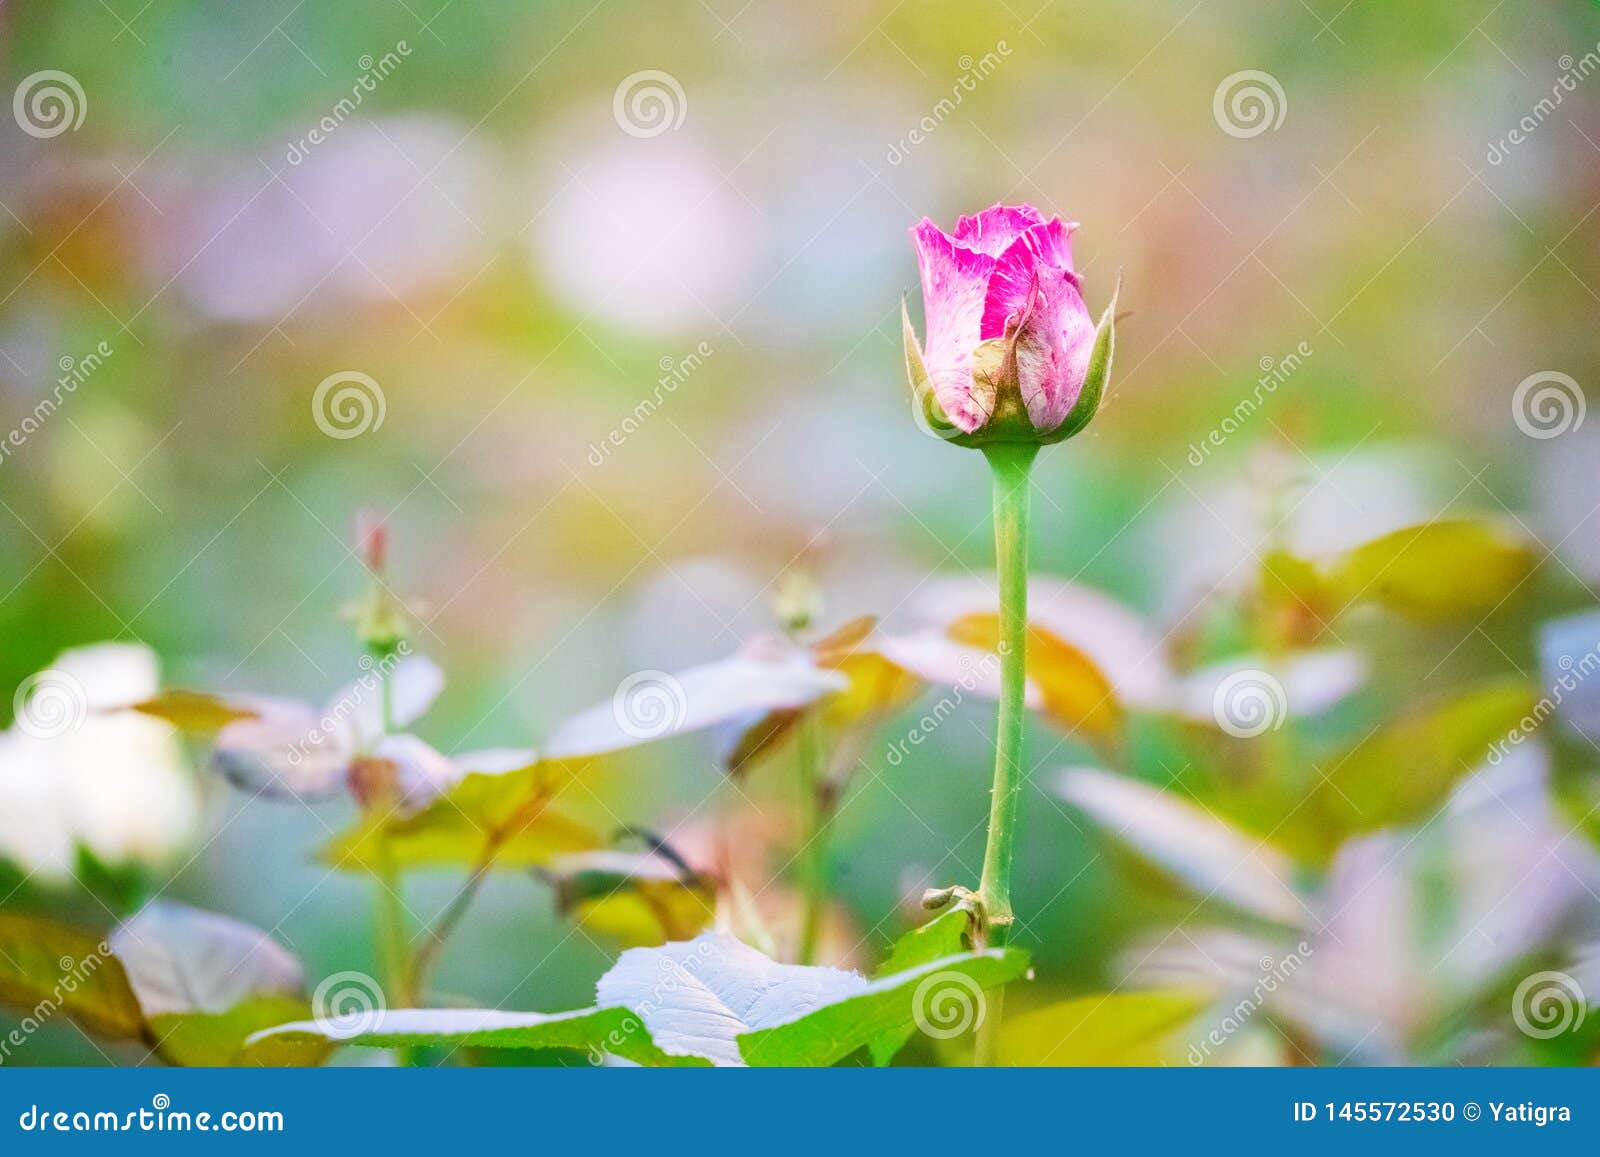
x=1010, y=464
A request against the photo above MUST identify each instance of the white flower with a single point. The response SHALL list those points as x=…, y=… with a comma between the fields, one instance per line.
x=78, y=768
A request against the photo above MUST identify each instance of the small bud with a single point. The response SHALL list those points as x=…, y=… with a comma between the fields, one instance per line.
x=372, y=540
x=797, y=601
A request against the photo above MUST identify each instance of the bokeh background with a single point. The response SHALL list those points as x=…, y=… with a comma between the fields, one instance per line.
x=516, y=259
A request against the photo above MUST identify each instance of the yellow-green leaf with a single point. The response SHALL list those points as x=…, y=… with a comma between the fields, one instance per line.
x=1076, y=694
x=49, y=969
x=194, y=710
x=512, y=818
x=637, y=900
x=1405, y=770
x=1132, y=1028
x=1436, y=571
x=219, y=1039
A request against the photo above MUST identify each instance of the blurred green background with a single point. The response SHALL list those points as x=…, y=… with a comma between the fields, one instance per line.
x=484, y=238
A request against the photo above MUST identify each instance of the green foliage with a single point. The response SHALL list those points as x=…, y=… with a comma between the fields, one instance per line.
x=46, y=967
x=188, y=985
x=1119, y=1028
x=218, y=1039
x=1435, y=572
x=944, y=935
x=711, y=1000
x=637, y=900
x=1404, y=771
x=511, y=819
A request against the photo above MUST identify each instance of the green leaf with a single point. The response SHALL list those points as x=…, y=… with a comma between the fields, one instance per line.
x=710, y=999
x=943, y=998
x=945, y=935
x=48, y=968
x=1136, y=1028
x=1437, y=571
x=696, y=997
x=616, y=1031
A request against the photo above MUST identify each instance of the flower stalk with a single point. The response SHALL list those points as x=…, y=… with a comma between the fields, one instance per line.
x=816, y=813
x=1011, y=464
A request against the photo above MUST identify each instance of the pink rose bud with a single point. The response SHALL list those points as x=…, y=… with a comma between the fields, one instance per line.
x=1012, y=354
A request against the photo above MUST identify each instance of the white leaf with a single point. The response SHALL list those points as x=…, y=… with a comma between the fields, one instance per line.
x=180, y=959
x=654, y=705
x=286, y=751
x=1312, y=682
x=932, y=655
x=696, y=997
x=1198, y=848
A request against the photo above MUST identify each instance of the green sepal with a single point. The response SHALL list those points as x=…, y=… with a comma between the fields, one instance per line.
x=1094, y=383
x=916, y=371
x=930, y=415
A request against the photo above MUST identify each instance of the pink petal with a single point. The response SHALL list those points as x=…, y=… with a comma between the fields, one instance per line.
x=993, y=230
x=1053, y=347
x=954, y=282
x=1045, y=246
